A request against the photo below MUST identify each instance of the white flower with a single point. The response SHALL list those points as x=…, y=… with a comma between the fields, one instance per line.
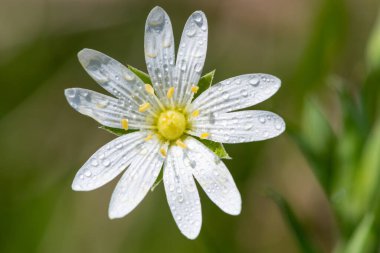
x=165, y=117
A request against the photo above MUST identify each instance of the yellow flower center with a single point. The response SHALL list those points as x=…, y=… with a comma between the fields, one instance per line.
x=171, y=124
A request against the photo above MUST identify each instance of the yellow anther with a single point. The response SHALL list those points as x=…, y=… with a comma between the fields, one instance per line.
x=204, y=135
x=148, y=137
x=149, y=89
x=194, y=89
x=163, y=151
x=195, y=113
x=124, y=124
x=144, y=107
x=170, y=92
x=180, y=143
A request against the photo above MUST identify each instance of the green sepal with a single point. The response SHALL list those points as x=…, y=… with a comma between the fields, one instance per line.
x=205, y=82
x=216, y=147
x=116, y=131
x=140, y=74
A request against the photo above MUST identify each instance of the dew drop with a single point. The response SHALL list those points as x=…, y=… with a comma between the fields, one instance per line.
x=244, y=92
x=225, y=95
x=183, y=65
x=156, y=19
x=262, y=119
x=87, y=173
x=70, y=93
x=278, y=125
x=106, y=163
x=191, y=32
x=198, y=18
x=198, y=67
x=167, y=40
x=94, y=162
x=204, y=27
x=254, y=81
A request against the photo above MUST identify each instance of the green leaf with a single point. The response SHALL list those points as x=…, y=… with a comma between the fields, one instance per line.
x=316, y=140
x=215, y=147
x=324, y=45
x=362, y=240
x=371, y=87
x=304, y=242
x=141, y=74
x=205, y=82
x=367, y=176
x=115, y=131
x=373, y=47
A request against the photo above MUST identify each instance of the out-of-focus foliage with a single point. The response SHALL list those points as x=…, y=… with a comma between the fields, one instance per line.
x=347, y=161
x=327, y=54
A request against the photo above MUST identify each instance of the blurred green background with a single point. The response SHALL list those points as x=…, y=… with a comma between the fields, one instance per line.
x=313, y=189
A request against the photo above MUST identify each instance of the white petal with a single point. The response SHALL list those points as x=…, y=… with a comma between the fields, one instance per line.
x=159, y=51
x=191, y=56
x=108, y=162
x=237, y=127
x=182, y=193
x=236, y=93
x=107, y=110
x=115, y=78
x=137, y=180
x=214, y=177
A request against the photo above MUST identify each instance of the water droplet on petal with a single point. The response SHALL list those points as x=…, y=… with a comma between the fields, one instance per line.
x=198, y=67
x=262, y=119
x=106, y=163
x=254, y=81
x=198, y=18
x=94, y=162
x=191, y=32
x=156, y=19
x=244, y=92
x=225, y=95
x=70, y=93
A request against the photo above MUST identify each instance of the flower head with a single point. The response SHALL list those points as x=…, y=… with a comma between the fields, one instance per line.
x=166, y=117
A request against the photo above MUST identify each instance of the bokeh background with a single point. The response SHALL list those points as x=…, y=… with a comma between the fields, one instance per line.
x=297, y=189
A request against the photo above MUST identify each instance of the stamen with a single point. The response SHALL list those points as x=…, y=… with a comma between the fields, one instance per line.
x=204, y=135
x=170, y=92
x=180, y=143
x=124, y=124
x=149, y=89
x=163, y=151
x=195, y=113
x=148, y=137
x=144, y=107
x=194, y=89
